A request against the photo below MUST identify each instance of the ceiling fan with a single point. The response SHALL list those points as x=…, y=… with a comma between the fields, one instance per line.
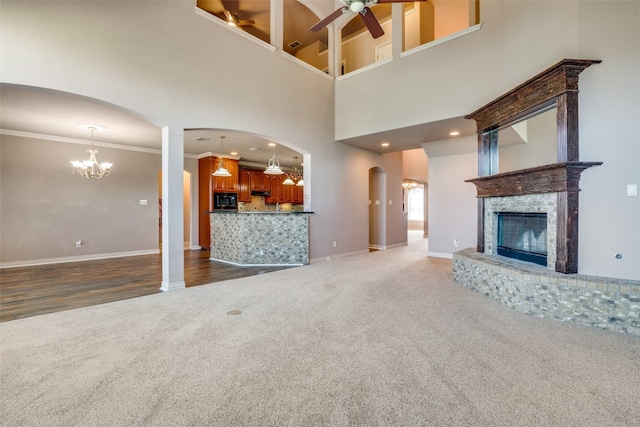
x=361, y=7
x=234, y=21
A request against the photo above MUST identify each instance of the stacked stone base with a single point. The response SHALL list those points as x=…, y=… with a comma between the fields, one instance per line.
x=602, y=302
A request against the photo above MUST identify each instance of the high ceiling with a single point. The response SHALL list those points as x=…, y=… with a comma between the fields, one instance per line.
x=50, y=113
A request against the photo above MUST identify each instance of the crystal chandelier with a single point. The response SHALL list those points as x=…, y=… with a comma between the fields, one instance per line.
x=273, y=168
x=221, y=171
x=91, y=169
x=294, y=177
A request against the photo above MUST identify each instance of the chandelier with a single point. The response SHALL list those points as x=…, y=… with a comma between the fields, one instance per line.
x=221, y=171
x=91, y=169
x=294, y=177
x=273, y=168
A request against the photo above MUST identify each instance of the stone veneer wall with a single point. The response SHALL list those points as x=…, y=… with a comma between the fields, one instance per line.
x=602, y=302
x=530, y=203
x=260, y=238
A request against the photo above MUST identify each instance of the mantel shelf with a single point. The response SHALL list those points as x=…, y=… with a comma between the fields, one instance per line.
x=553, y=178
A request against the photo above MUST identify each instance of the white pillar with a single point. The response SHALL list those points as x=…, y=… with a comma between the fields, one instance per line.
x=397, y=29
x=277, y=23
x=172, y=212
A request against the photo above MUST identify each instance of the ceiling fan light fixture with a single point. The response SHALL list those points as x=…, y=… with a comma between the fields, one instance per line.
x=356, y=6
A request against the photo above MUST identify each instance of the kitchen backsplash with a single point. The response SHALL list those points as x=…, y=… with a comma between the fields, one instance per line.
x=258, y=204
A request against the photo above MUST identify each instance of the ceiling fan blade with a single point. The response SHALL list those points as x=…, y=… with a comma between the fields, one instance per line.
x=329, y=19
x=245, y=22
x=371, y=22
x=229, y=16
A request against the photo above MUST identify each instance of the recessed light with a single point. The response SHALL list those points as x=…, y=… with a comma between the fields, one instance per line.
x=385, y=144
x=272, y=144
x=234, y=153
x=454, y=133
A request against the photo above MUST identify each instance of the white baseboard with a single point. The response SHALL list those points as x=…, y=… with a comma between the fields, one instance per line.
x=44, y=261
x=440, y=255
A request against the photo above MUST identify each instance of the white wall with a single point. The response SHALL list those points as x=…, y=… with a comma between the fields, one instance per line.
x=452, y=202
x=45, y=208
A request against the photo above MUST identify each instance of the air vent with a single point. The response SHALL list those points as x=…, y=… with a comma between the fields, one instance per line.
x=200, y=139
x=294, y=44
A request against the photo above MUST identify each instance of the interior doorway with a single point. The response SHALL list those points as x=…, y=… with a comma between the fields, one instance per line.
x=186, y=208
x=416, y=206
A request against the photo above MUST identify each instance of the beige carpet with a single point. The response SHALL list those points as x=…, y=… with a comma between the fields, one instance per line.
x=379, y=339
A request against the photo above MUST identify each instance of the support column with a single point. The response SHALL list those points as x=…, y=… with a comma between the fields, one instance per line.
x=172, y=209
x=487, y=165
x=397, y=29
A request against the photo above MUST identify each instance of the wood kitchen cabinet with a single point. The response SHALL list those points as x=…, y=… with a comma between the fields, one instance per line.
x=298, y=194
x=244, y=186
x=257, y=180
x=209, y=184
x=228, y=184
x=275, y=190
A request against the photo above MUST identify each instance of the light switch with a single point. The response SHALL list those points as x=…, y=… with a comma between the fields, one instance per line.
x=390, y=203
x=632, y=190
x=377, y=202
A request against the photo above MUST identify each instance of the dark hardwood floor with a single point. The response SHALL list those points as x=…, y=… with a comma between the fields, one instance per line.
x=30, y=291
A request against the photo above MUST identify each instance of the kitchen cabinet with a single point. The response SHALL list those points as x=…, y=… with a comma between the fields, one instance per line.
x=228, y=184
x=207, y=185
x=244, y=186
x=260, y=181
x=257, y=180
x=298, y=195
x=276, y=189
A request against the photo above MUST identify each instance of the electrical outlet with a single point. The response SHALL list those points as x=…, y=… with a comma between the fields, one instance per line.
x=455, y=243
x=79, y=244
x=632, y=190
x=335, y=243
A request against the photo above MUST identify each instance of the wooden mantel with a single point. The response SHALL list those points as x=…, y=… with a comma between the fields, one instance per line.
x=554, y=178
x=557, y=85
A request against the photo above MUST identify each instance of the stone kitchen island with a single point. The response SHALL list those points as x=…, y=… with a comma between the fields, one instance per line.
x=260, y=238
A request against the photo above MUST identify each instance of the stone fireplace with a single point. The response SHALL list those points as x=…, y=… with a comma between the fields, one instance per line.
x=550, y=194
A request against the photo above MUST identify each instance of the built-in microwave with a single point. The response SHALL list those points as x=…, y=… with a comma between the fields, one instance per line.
x=225, y=201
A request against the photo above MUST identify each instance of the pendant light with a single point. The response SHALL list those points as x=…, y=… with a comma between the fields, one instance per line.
x=221, y=171
x=294, y=176
x=273, y=168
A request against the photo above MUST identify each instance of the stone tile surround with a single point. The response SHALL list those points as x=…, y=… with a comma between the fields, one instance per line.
x=529, y=203
x=602, y=302
x=260, y=238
